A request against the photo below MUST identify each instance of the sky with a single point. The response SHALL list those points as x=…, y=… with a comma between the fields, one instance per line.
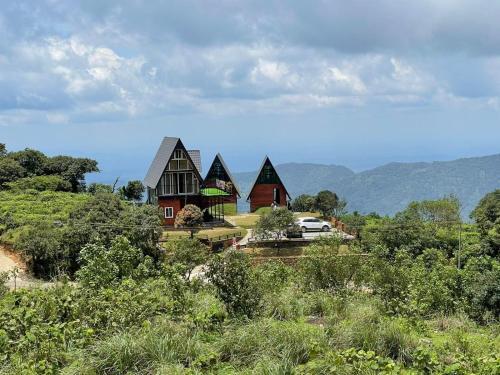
x=354, y=83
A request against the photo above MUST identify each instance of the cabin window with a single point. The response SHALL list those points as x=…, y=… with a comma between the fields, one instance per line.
x=179, y=154
x=169, y=212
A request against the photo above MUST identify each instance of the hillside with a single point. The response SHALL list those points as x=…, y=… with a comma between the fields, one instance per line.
x=389, y=188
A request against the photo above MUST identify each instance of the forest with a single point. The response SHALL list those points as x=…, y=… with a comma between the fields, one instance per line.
x=415, y=293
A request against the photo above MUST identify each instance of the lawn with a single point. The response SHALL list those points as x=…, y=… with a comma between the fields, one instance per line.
x=230, y=209
x=214, y=233
x=249, y=221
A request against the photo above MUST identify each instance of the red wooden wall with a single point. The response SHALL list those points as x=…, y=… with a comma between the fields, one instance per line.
x=262, y=196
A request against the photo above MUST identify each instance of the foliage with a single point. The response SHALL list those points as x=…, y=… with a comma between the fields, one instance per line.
x=10, y=170
x=102, y=267
x=71, y=169
x=32, y=161
x=40, y=183
x=133, y=191
x=325, y=269
x=51, y=228
x=40, y=245
x=275, y=223
x=97, y=188
x=235, y=283
x=24, y=208
x=187, y=253
x=394, y=310
x=303, y=203
x=326, y=202
x=487, y=217
x=189, y=216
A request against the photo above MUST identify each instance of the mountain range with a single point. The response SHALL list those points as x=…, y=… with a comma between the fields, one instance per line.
x=389, y=188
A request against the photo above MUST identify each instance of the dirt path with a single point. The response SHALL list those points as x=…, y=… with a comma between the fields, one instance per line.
x=10, y=261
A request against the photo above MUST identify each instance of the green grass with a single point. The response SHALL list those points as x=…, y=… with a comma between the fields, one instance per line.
x=22, y=208
x=206, y=233
x=247, y=221
x=263, y=210
x=230, y=209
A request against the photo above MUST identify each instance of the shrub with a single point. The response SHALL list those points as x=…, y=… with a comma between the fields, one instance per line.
x=186, y=253
x=275, y=223
x=325, y=269
x=103, y=267
x=40, y=245
x=205, y=310
x=189, y=216
x=235, y=283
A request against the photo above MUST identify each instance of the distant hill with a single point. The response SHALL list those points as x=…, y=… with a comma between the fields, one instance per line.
x=389, y=188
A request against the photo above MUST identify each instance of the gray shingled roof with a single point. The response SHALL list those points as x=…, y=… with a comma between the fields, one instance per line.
x=160, y=161
x=196, y=158
x=162, y=157
x=229, y=173
x=257, y=177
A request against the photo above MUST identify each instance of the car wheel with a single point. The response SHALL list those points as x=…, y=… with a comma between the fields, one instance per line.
x=304, y=229
x=325, y=228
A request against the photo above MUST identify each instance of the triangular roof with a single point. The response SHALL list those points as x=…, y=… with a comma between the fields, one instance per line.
x=266, y=159
x=226, y=169
x=162, y=157
x=196, y=158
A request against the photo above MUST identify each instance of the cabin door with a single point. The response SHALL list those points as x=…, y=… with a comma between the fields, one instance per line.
x=276, y=196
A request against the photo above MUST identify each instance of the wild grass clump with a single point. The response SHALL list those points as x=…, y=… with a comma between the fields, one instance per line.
x=287, y=304
x=363, y=326
x=159, y=345
x=205, y=310
x=289, y=343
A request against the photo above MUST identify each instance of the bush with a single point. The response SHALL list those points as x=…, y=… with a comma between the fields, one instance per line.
x=189, y=216
x=235, y=283
x=325, y=269
x=40, y=245
x=186, y=253
x=103, y=267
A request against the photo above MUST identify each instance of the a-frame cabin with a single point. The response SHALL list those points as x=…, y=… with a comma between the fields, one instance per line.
x=173, y=179
x=219, y=177
x=267, y=189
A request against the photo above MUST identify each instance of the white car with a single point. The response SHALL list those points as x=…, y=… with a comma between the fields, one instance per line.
x=313, y=223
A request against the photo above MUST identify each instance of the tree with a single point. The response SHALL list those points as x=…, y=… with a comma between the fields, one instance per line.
x=40, y=245
x=487, y=217
x=326, y=202
x=324, y=269
x=3, y=150
x=187, y=253
x=95, y=188
x=444, y=212
x=190, y=216
x=71, y=169
x=133, y=191
x=303, y=203
x=10, y=170
x=275, y=222
x=232, y=276
x=340, y=208
x=32, y=161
